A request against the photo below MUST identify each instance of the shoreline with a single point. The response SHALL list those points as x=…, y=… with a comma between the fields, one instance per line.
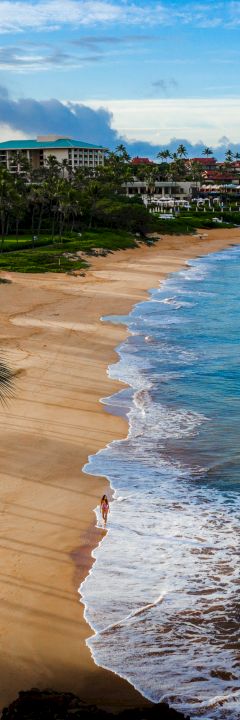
x=61, y=351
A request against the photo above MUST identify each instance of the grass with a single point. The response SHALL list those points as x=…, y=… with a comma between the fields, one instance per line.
x=35, y=261
x=24, y=243
x=101, y=238
x=188, y=222
x=51, y=257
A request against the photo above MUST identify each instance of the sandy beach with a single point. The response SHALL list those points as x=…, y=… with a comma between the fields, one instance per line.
x=59, y=350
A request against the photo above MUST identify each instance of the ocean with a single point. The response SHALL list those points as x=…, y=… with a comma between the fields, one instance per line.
x=163, y=594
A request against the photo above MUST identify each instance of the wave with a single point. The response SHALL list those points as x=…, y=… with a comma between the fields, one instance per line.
x=196, y=271
x=176, y=304
x=153, y=420
x=142, y=610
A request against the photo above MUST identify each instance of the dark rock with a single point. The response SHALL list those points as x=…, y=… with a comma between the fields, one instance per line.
x=97, y=252
x=49, y=705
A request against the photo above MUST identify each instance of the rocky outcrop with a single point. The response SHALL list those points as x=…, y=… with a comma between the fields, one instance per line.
x=49, y=705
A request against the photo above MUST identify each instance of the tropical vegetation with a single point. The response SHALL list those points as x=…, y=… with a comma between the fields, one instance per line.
x=51, y=217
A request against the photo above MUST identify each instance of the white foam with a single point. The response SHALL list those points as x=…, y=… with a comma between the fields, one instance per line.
x=196, y=271
x=153, y=420
x=131, y=616
x=175, y=304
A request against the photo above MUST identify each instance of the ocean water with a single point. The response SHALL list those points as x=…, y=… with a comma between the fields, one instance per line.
x=163, y=594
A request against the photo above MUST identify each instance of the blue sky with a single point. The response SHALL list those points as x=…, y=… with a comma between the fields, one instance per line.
x=163, y=70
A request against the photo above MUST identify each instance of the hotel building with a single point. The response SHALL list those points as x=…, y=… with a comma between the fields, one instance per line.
x=75, y=152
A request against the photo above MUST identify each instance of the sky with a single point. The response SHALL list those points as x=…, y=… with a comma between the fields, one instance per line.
x=148, y=73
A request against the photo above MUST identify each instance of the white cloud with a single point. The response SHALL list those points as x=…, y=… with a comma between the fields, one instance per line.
x=157, y=121
x=7, y=132
x=22, y=60
x=17, y=15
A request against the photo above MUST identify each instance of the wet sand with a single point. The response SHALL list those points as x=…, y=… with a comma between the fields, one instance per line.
x=59, y=350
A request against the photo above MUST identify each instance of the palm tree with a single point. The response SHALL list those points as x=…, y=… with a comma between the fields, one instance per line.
x=178, y=167
x=196, y=171
x=207, y=151
x=52, y=166
x=150, y=177
x=122, y=152
x=164, y=155
x=5, y=382
x=20, y=164
x=229, y=156
x=117, y=169
x=6, y=190
x=38, y=199
x=182, y=151
x=65, y=168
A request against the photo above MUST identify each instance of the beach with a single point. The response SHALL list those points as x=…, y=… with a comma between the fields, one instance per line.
x=60, y=350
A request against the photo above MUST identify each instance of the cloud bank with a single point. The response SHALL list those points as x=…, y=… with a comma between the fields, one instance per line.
x=27, y=117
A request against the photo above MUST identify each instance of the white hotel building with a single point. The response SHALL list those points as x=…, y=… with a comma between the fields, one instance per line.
x=75, y=152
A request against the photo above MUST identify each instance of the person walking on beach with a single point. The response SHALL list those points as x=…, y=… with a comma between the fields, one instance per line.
x=104, y=505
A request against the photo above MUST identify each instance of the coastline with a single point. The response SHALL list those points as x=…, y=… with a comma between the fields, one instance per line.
x=61, y=350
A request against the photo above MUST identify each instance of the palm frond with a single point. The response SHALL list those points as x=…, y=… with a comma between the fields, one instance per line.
x=6, y=382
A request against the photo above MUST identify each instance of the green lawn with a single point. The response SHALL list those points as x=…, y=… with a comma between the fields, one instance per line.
x=38, y=261
x=187, y=223
x=51, y=257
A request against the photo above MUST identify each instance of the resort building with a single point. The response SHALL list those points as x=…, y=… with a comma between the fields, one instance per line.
x=74, y=152
x=206, y=163
x=142, y=161
x=181, y=190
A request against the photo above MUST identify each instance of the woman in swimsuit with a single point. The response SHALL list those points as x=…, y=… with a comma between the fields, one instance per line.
x=104, y=507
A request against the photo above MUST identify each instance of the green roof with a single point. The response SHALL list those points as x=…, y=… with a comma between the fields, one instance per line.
x=53, y=144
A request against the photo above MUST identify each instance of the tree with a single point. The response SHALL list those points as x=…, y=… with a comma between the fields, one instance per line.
x=196, y=171
x=19, y=206
x=52, y=167
x=182, y=151
x=6, y=199
x=151, y=173
x=121, y=151
x=51, y=175
x=68, y=204
x=164, y=155
x=177, y=167
x=20, y=164
x=38, y=201
x=207, y=152
x=229, y=155
x=125, y=213
x=66, y=168
x=118, y=169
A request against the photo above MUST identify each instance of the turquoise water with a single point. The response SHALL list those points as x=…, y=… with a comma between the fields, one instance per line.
x=163, y=594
